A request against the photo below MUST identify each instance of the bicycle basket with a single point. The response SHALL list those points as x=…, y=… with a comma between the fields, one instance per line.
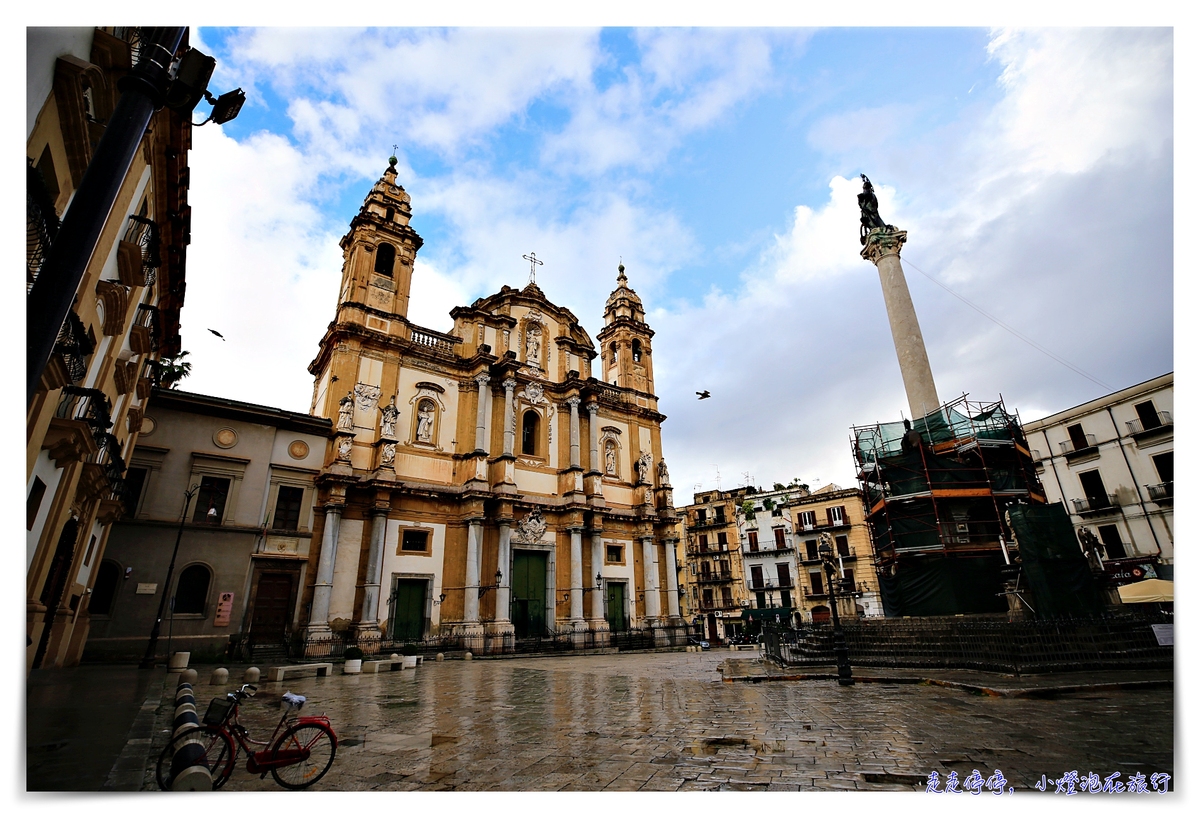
x=218, y=711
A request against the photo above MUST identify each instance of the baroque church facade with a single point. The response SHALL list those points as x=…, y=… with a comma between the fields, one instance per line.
x=501, y=482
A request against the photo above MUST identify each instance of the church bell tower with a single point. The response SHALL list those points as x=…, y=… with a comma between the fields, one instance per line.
x=379, y=251
x=625, y=340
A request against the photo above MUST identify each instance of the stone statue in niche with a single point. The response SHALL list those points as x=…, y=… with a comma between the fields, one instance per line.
x=425, y=421
x=346, y=413
x=389, y=454
x=610, y=459
x=387, y=427
x=344, y=447
x=664, y=479
x=533, y=345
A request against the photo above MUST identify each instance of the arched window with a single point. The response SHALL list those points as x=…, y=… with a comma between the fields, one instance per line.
x=529, y=432
x=385, y=259
x=612, y=348
x=192, y=590
x=637, y=350
x=104, y=592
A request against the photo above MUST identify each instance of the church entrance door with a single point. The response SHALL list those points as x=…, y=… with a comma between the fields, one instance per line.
x=614, y=608
x=529, y=594
x=272, y=608
x=408, y=609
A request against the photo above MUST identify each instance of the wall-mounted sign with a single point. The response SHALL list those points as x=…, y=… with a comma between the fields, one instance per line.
x=1164, y=634
x=147, y=587
x=224, y=609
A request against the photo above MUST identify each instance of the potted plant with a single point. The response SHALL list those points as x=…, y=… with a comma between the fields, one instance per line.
x=353, y=657
x=409, y=652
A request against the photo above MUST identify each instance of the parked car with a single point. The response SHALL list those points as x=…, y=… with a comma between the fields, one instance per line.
x=703, y=644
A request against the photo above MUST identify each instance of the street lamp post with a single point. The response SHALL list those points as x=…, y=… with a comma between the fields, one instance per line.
x=839, y=638
x=148, y=659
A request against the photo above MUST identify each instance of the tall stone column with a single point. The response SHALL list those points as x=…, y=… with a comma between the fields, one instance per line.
x=483, y=379
x=504, y=565
x=598, y=593
x=368, y=616
x=577, y=579
x=318, y=620
x=573, y=402
x=594, y=435
x=471, y=591
x=882, y=248
x=672, y=580
x=650, y=579
x=509, y=410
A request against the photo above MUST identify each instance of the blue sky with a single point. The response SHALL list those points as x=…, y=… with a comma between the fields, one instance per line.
x=1033, y=170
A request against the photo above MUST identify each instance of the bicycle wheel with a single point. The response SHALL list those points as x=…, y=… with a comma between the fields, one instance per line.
x=317, y=740
x=198, y=746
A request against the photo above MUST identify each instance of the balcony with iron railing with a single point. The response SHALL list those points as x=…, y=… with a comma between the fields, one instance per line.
x=88, y=405
x=771, y=584
x=138, y=256
x=41, y=224
x=145, y=335
x=1162, y=493
x=1084, y=444
x=714, y=576
x=1158, y=422
x=1097, y=505
x=71, y=349
x=723, y=605
x=845, y=588
x=709, y=522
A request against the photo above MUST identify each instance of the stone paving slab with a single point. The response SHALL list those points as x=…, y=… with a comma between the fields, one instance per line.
x=668, y=722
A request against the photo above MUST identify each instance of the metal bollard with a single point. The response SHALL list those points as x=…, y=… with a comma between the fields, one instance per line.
x=188, y=773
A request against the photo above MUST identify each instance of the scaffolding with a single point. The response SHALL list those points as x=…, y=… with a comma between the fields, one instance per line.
x=936, y=508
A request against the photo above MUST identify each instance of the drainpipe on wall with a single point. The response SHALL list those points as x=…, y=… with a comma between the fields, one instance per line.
x=1137, y=489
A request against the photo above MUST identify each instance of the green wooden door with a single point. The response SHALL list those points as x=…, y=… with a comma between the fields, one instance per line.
x=408, y=609
x=528, y=593
x=614, y=610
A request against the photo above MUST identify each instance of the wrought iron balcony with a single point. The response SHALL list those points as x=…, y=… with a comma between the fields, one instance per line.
x=41, y=224
x=1095, y=505
x=73, y=346
x=1163, y=492
x=139, y=259
x=715, y=576
x=145, y=336
x=709, y=522
x=109, y=457
x=88, y=405
x=1072, y=446
x=1161, y=421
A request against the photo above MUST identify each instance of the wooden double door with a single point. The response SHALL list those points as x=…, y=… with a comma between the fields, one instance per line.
x=274, y=596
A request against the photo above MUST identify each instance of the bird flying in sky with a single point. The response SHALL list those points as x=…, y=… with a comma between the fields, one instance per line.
x=702, y=395
x=219, y=335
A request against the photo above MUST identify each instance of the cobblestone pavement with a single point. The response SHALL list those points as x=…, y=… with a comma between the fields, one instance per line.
x=666, y=721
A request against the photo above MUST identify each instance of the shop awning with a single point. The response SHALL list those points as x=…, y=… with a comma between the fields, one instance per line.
x=1148, y=590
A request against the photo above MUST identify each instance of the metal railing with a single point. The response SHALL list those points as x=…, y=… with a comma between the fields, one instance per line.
x=1163, y=419
x=88, y=405
x=109, y=456
x=980, y=643
x=73, y=346
x=147, y=316
x=715, y=576
x=41, y=224
x=1069, y=446
x=144, y=233
x=1162, y=491
x=1090, y=504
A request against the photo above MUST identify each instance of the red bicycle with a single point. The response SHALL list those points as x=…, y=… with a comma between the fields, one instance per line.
x=297, y=755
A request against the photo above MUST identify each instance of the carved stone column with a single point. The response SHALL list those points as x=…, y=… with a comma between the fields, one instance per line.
x=471, y=591
x=573, y=402
x=504, y=566
x=482, y=379
x=883, y=250
x=598, y=593
x=672, y=580
x=577, y=623
x=368, y=616
x=650, y=580
x=318, y=620
x=510, y=409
